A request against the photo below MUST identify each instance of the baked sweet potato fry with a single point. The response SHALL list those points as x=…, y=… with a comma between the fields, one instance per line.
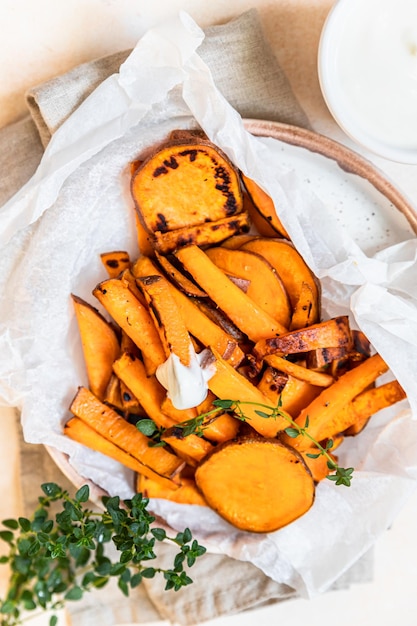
x=178, y=278
x=323, y=411
x=249, y=317
x=133, y=317
x=265, y=287
x=185, y=493
x=209, y=233
x=198, y=324
x=292, y=393
x=151, y=395
x=256, y=484
x=291, y=268
x=319, y=379
x=105, y=421
x=115, y=262
x=79, y=431
x=357, y=413
x=100, y=345
x=229, y=383
x=333, y=333
x=264, y=205
x=167, y=317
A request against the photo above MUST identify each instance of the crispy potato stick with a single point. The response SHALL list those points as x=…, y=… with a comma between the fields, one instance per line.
x=320, y=379
x=264, y=205
x=167, y=317
x=186, y=493
x=100, y=345
x=79, y=431
x=151, y=395
x=291, y=268
x=244, y=312
x=105, y=421
x=198, y=324
x=115, y=262
x=133, y=318
x=333, y=333
x=228, y=384
x=256, y=484
x=324, y=409
x=265, y=287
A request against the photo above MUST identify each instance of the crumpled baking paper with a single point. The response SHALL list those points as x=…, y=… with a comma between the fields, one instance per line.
x=77, y=205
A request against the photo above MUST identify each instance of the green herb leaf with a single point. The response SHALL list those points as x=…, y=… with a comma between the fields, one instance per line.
x=292, y=432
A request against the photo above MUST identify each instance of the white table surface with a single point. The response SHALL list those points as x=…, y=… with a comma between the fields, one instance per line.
x=41, y=38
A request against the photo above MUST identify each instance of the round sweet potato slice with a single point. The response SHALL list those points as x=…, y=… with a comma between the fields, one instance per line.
x=258, y=485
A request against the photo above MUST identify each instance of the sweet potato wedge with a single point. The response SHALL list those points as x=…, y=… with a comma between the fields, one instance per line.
x=263, y=203
x=79, y=431
x=242, y=310
x=229, y=384
x=265, y=287
x=167, y=317
x=184, y=184
x=144, y=238
x=100, y=345
x=133, y=317
x=105, y=421
x=151, y=395
x=207, y=234
x=324, y=410
x=333, y=333
x=185, y=493
x=198, y=324
x=178, y=278
x=294, y=394
x=115, y=262
x=319, y=379
x=356, y=414
x=304, y=308
x=258, y=485
x=291, y=268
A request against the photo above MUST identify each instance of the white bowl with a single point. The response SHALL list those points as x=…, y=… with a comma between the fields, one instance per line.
x=367, y=64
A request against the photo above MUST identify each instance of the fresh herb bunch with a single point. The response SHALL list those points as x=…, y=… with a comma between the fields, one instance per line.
x=197, y=425
x=55, y=560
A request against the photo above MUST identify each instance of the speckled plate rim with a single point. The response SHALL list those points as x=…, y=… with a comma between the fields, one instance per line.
x=348, y=160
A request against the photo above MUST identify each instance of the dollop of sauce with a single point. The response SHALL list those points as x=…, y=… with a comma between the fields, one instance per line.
x=186, y=385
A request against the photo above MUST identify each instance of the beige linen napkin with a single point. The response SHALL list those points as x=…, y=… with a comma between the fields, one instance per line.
x=247, y=73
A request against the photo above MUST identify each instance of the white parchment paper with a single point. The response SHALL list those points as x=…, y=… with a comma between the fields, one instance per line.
x=77, y=205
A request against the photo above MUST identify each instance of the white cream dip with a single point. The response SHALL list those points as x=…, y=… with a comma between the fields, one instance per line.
x=186, y=385
x=368, y=72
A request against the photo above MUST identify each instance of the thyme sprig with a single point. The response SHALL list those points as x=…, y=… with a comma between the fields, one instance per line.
x=197, y=425
x=56, y=560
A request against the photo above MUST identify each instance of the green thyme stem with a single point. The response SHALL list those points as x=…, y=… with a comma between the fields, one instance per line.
x=197, y=425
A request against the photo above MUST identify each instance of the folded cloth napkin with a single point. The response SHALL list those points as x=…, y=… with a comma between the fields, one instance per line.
x=246, y=71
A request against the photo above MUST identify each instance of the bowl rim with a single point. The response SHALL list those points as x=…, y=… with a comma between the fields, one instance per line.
x=327, y=79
